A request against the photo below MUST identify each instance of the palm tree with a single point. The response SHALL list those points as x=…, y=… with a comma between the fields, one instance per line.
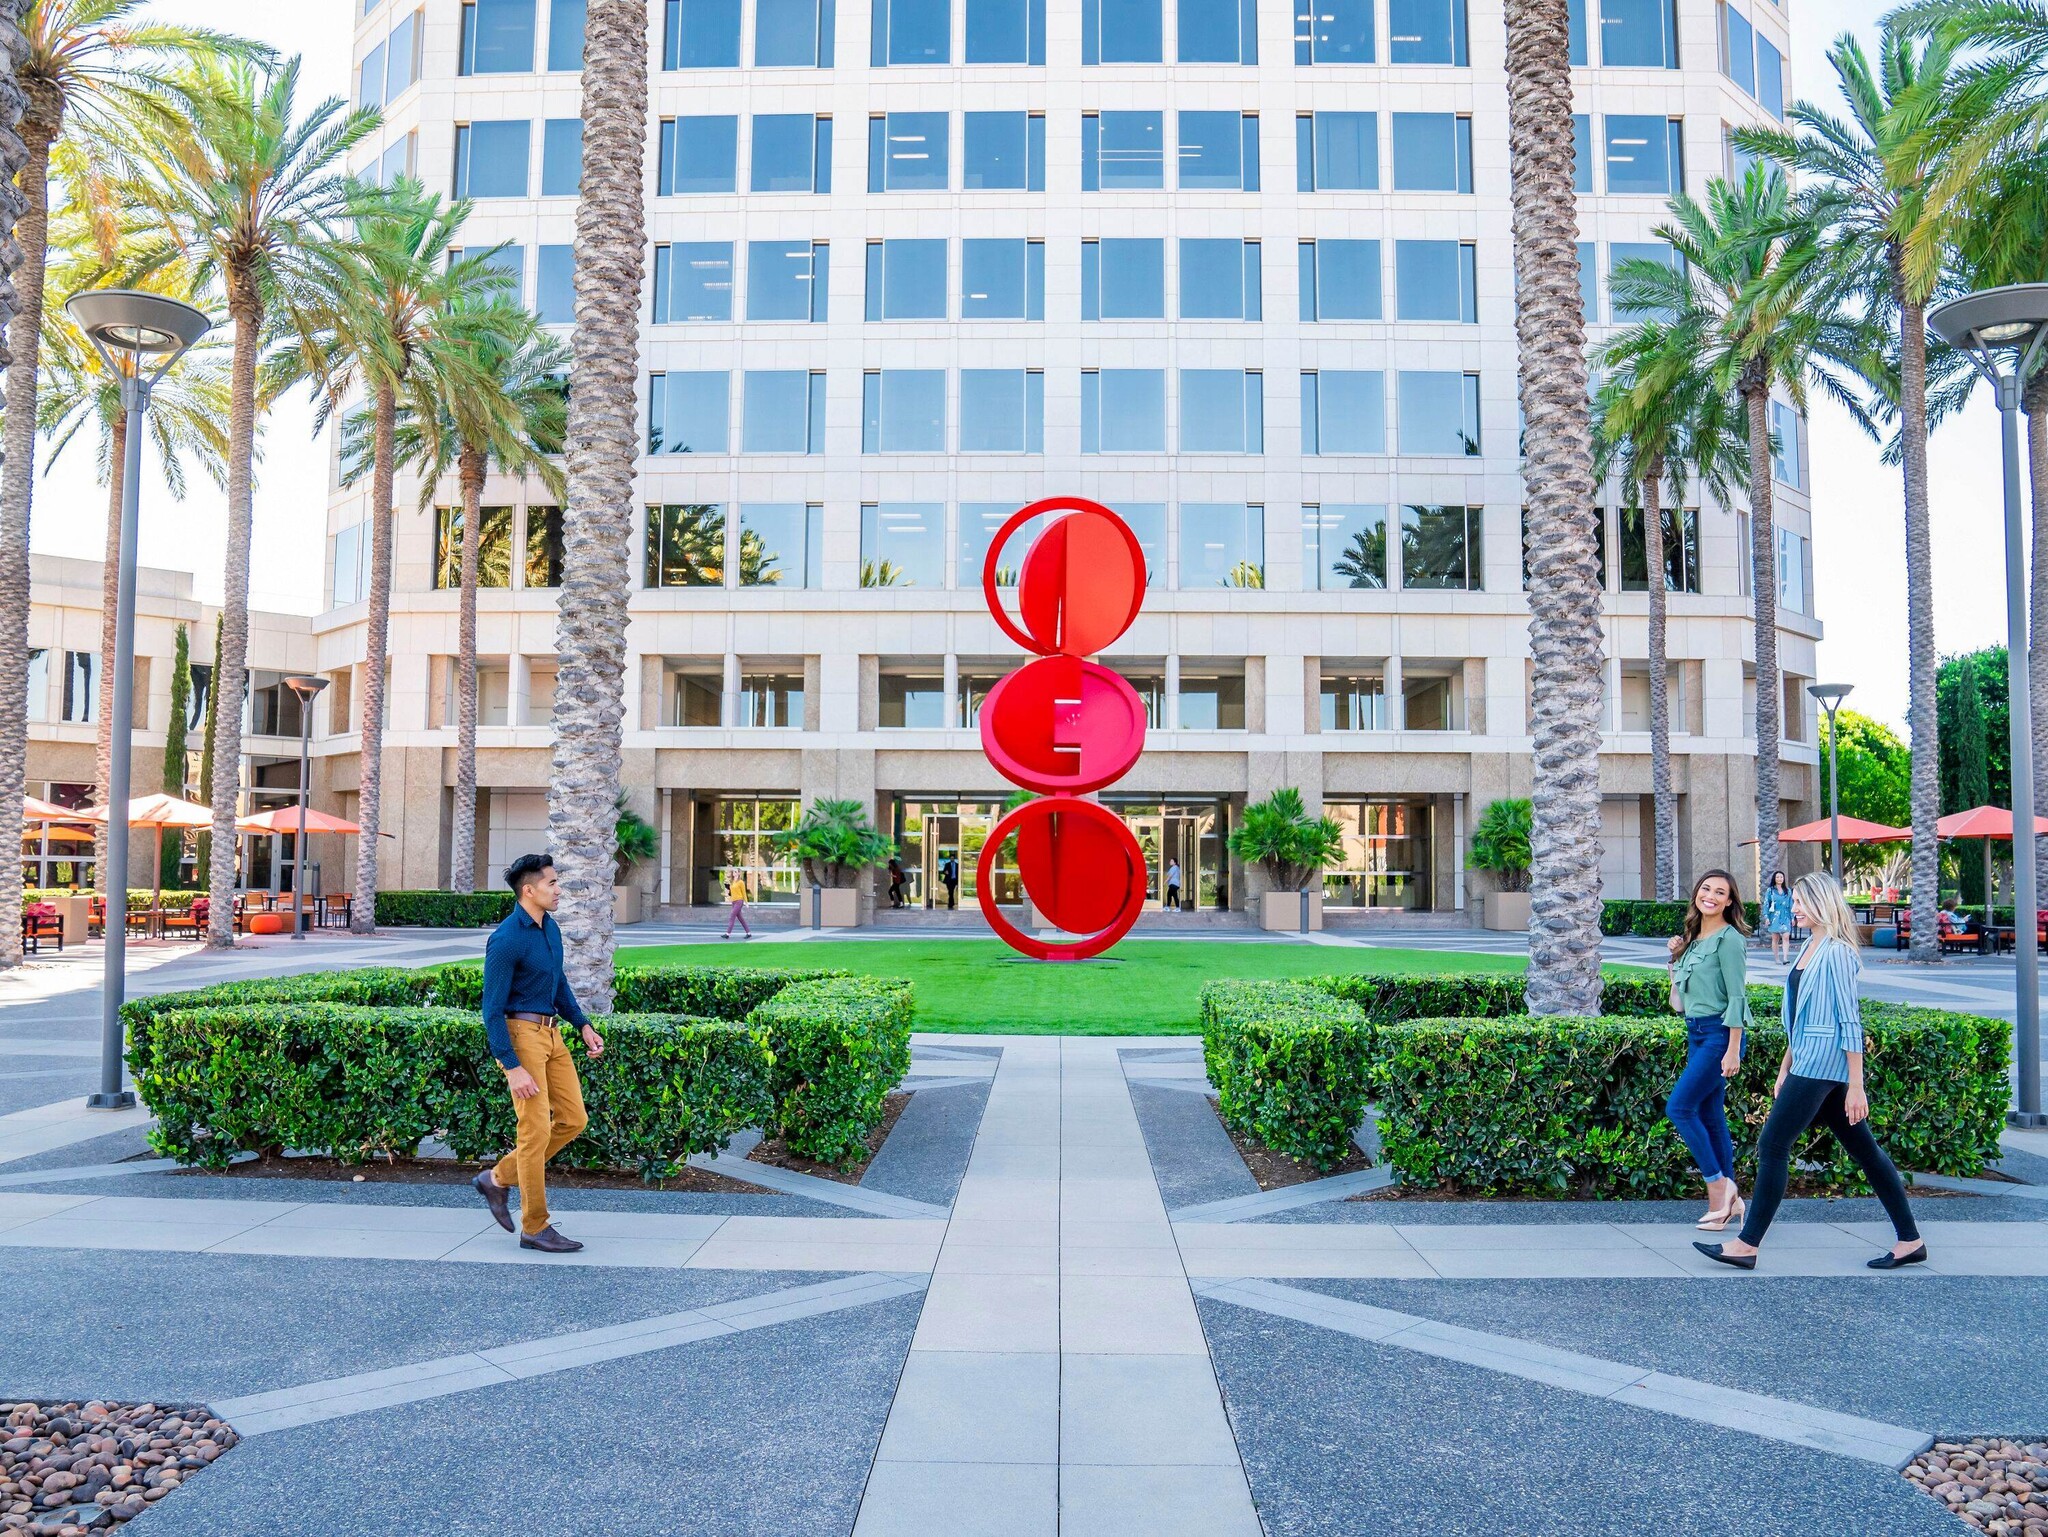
x=251, y=195
x=1364, y=561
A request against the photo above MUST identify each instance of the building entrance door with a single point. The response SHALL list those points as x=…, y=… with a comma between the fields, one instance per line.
x=1180, y=845
x=941, y=842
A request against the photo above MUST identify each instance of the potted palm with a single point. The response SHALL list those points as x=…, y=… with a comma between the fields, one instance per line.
x=1294, y=849
x=635, y=841
x=836, y=843
x=1500, y=846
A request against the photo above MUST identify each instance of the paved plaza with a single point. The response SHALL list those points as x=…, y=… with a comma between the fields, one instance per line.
x=1057, y=1302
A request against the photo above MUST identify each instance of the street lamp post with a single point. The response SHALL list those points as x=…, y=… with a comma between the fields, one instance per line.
x=138, y=336
x=308, y=689
x=1831, y=696
x=1987, y=326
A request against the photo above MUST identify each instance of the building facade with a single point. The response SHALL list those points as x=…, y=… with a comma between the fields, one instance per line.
x=1244, y=276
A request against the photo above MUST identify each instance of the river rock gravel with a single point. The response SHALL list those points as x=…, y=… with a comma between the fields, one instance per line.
x=70, y=1469
x=1995, y=1484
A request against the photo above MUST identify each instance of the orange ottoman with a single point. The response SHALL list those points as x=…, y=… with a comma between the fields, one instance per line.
x=270, y=923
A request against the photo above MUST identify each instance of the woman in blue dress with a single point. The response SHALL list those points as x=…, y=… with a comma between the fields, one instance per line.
x=1777, y=916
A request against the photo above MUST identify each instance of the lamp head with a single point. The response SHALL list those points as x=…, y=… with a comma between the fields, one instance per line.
x=306, y=688
x=1830, y=694
x=1992, y=318
x=137, y=332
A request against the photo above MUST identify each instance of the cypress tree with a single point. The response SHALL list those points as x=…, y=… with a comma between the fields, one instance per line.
x=174, y=749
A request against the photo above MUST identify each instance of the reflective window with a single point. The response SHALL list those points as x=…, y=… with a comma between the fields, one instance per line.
x=1785, y=435
x=1003, y=150
x=700, y=34
x=1582, y=152
x=82, y=687
x=1005, y=31
x=1770, y=76
x=782, y=411
x=1337, y=152
x=1354, y=700
x=565, y=34
x=1002, y=411
x=1589, y=281
x=693, y=281
x=906, y=280
x=1334, y=32
x=1343, y=412
x=396, y=161
x=1681, y=549
x=1219, y=31
x=1621, y=251
x=1121, y=32
x=1219, y=151
x=1122, y=151
x=793, y=34
x=1437, y=280
x=497, y=37
x=686, y=548
x=1432, y=152
x=911, y=701
x=508, y=261
x=792, y=153
x=494, y=547
x=1440, y=414
x=1222, y=411
x=1123, y=411
x=543, y=547
x=1344, y=545
x=769, y=698
x=903, y=544
x=1738, y=48
x=370, y=81
x=979, y=523
x=903, y=411
x=1644, y=155
x=1002, y=280
x=1575, y=24
x=1340, y=280
x=687, y=413
x=1426, y=32
x=781, y=543
x=1639, y=33
x=490, y=159
x=1147, y=520
x=561, y=157
x=1441, y=548
x=911, y=32
x=907, y=152
x=1123, y=280
x=1222, y=544
x=787, y=280
x=700, y=154
x=1793, y=591
x=1212, y=694
x=1219, y=280
x=402, y=57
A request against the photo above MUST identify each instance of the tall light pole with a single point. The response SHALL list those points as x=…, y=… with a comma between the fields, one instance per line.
x=308, y=689
x=1831, y=696
x=138, y=336
x=1987, y=326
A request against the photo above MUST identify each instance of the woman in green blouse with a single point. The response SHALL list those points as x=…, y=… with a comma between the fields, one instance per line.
x=1709, y=987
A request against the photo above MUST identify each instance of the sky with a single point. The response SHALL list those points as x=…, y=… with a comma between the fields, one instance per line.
x=1859, y=564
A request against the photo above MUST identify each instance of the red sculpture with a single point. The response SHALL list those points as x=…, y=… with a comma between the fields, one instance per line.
x=1065, y=726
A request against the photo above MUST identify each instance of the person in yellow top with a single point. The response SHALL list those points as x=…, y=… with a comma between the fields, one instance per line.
x=1709, y=987
x=736, y=893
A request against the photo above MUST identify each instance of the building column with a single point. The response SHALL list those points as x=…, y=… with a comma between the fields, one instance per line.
x=1458, y=851
x=729, y=704
x=1390, y=685
x=1172, y=691
x=952, y=687
x=667, y=804
x=518, y=690
x=1610, y=672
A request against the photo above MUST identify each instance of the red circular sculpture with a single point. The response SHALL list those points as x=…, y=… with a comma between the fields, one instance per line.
x=1064, y=726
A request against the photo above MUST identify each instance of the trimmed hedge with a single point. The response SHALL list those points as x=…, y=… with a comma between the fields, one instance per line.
x=839, y=1046
x=1478, y=994
x=1289, y=1064
x=139, y=897
x=1656, y=920
x=442, y=909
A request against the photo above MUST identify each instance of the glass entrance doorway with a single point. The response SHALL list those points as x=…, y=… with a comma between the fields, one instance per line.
x=1172, y=844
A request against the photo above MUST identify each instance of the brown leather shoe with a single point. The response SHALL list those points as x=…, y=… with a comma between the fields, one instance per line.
x=548, y=1241
x=496, y=1196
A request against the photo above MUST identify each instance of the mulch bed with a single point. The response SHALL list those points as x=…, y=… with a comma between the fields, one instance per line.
x=450, y=1171
x=1276, y=1171
x=773, y=1150
x=69, y=1469
x=1993, y=1484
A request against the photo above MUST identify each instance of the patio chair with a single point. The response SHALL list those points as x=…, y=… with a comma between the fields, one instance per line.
x=39, y=921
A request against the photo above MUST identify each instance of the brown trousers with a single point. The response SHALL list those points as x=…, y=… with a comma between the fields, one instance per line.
x=548, y=1122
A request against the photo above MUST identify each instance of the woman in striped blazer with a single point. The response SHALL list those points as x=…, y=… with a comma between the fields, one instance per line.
x=1820, y=1080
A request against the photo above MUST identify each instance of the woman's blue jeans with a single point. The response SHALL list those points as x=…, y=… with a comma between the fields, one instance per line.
x=1698, y=1103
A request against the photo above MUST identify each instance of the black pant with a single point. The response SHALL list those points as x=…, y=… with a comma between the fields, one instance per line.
x=952, y=894
x=1805, y=1102
x=1173, y=896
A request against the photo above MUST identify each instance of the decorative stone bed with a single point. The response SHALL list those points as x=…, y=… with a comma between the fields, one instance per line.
x=72, y=1468
x=1997, y=1484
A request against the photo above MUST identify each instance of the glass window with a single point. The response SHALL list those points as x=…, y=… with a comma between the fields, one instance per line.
x=397, y=160
x=402, y=61
x=1337, y=152
x=693, y=281
x=701, y=154
x=1589, y=281
x=543, y=547
x=1002, y=411
x=792, y=153
x=1121, y=32
x=1222, y=411
x=1575, y=25
x=1621, y=251
x=370, y=82
x=506, y=261
x=1222, y=544
x=1219, y=280
x=687, y=413
x=979, y=522
x=907, y=152
x=490, y=158
x=348, y=568
x=1334, y=32
x=1426, y=32
x=1005, y=31
x=1344, y=545
x=782, y=411
x=1429, y=702
x=911, y=32
x=906, y=280
x=1211, y=696
x=1770, y=76
x=1582, y=152
x=1437, y=280
x=786, y=280
x=1340, y=280
x=911, y=701
x=1123, y=280
x=1641, y=33
x=497, y=37
x=1354, y=700
x=903, y=411
x=1681, y=550
x=1738, y=48
x=1147, y=520
x=793, y=34
x=1003, y=151
x=565, y=34
x=554, y=290
x=1219, y=151
x=1002, y=280
x=771, y=699
x=1219, y=32
x=1123, y=411
x=1792, y=589
x=1432, y=152
x=561, y=157
x=1644, y=155
x=903, y=544
x=695, y=700
x=494, y=550
x=781, y=543
x=1122, y=151
x=700, y=34
x=686, y=548
x=1441, y=548
x=1440, y=414
x=81, y=687
x=1785, y=456
x=1344, y=412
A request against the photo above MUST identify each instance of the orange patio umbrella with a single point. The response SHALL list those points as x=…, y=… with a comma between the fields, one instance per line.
x=158, y=811
x=35, y=809
x=1987, y=825
x=285, y=819
x=1854, y=830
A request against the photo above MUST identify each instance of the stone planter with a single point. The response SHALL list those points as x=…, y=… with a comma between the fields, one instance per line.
x=625, y=904
x=838, y=907
x=1507, y=911
x=1280, y=912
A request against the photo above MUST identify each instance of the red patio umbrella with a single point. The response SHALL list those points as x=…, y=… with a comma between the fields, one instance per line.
x=1987, y=825
x=158, y=811
x=1854, y=830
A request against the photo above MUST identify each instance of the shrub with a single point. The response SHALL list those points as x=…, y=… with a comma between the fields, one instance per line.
x=835, y=842
x=1500, y=842
x=138, y=897
x=1615, y=917
x=1294, y=847
x=1655, y=920
x=442, y=909
x=709, y=992
x=1480, y=994
x=839, y=1045
x=1289, y=1065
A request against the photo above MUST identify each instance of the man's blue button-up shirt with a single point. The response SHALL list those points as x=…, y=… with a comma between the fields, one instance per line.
x=523, y=975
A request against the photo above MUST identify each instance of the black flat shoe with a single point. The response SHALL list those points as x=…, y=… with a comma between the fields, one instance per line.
x=1894, y=1261
x=1713, y=1252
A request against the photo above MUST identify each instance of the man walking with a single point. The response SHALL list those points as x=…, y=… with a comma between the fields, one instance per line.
x=526, y=995
x=1172, y=885
x=736, y=894
x=949, y=872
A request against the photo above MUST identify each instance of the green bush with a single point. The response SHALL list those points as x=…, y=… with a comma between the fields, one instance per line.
x=1479, y=994
x=1616, y=917
x=442, y=909
x=1655, y=920
x=139, y=897
x=839, y=1045
x=1289, y=1064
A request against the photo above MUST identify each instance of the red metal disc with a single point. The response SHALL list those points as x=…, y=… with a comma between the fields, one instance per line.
x=1082, y=582
x=1082, y=868
x=1060, y=725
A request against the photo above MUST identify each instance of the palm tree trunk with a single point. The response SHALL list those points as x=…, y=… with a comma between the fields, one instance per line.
x=1564, y=592
x=1664, y=806
x=110, y=598
x=1763, y=566
x=230, y=679
x=462, y=834
x=2036, y=402
x=603, y=445
x=377, y=645
x=1921, y=662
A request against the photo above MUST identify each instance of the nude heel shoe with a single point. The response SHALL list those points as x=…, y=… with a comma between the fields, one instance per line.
x=1717, y=1221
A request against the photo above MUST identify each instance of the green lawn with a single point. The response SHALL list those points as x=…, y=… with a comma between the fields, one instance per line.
x=1144, y=987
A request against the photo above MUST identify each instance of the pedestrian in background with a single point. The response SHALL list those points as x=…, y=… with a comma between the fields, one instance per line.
x=949, y=872
x=895, y=883
x=1709, y=987
x=1777, y=916
x=1172, y=884
x=736, y=894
